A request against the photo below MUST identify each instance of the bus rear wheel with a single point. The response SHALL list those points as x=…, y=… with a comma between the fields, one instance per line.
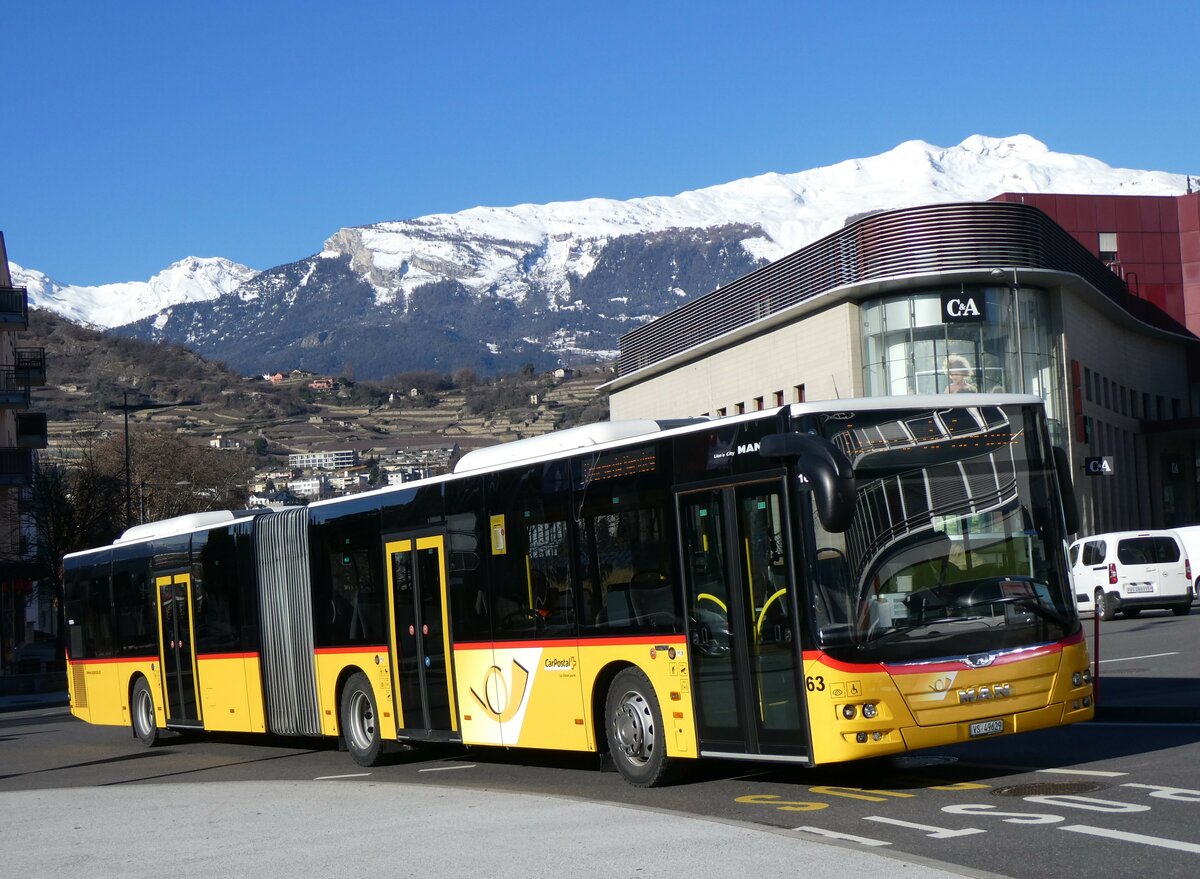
x=360, y=721
x=635, y=731
x=141, y=712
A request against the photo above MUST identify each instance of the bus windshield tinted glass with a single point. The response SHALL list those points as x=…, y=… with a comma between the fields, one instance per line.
x=957, y=543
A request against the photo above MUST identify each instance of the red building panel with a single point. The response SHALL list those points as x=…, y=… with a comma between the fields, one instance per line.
x=1106, y=214
x=1149, y=219
x=1129, y=249
x=1152, y=248
x=1129, y=217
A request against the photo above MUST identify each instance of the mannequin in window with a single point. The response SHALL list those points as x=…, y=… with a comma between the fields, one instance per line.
x=961, y=380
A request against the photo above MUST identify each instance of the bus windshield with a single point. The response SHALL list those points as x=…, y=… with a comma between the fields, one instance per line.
x=957, y=543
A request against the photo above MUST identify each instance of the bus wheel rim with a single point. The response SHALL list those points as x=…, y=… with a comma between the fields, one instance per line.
x=633, y=724
x=362, y=721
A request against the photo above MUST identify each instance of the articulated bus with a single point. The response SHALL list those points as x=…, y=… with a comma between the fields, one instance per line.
x=820, y=582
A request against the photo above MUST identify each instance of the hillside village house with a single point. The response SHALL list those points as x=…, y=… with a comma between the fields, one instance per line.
x=1090, y=302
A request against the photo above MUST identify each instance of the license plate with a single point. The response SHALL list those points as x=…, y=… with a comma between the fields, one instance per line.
x=1140, y=587
x=987, y=728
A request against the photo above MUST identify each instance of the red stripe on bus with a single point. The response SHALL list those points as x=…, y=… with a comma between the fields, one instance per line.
x=327, y=650
x=629, y=641
x=937, y=667
x=108, y=660
x=250, y=655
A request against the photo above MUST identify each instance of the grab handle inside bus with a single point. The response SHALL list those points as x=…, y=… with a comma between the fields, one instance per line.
x=1066, y=488
x=827, y=470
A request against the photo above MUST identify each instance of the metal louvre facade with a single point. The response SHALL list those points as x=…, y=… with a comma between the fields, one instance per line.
x=285, y=607
x=912, y=241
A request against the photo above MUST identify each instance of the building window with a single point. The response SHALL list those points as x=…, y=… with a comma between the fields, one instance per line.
x=741, y=408
x=721, y=412
x=779, y=398
x=798, y=394
x=1087, y=383
x=908, y=347
x=758, y=404
x=1108, y=247
x=1124, y=401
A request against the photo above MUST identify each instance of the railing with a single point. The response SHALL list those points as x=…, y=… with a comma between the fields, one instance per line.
x=932, y=238
x=30, y=364
x=14, y=305
x=14, y=389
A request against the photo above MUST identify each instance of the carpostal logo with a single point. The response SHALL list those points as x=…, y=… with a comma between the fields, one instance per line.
x=555, y=663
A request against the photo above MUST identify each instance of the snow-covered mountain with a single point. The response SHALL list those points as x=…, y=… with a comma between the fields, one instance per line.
x=494, y=288
x=195, y=279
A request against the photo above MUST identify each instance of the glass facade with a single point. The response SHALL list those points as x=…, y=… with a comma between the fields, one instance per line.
x=910, y=346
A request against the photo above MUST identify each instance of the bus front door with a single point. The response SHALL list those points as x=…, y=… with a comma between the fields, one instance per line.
x=420, y=636
x=176, y=647
x=744, y=646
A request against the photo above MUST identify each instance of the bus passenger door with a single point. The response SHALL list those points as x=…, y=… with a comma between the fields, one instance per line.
x=420, y=636
x=744, y=652
x=177, y=648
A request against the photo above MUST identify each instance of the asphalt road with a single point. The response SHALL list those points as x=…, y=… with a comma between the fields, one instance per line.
x=1116, y=797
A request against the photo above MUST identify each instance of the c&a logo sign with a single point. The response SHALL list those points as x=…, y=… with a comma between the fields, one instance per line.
x=962, y=307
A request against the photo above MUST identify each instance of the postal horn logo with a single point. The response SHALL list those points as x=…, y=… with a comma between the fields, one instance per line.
x=500, y=700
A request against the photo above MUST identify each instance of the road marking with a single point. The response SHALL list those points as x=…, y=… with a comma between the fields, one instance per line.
x=335, y=777
x=1158, y=842
x=447, y=768
x=849, y=837
x=1096, y=772
x=1147, y=656
x=935, y=832
x=1182, y=794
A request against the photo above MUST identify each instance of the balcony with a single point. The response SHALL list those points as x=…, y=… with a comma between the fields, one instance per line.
x=16, y=467
x=31, y=430
x=14, y=306
x=30, y=364
x=13, y=390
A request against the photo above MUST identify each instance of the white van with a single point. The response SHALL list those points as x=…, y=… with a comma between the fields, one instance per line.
x=1190, y=537
x=1131, y=571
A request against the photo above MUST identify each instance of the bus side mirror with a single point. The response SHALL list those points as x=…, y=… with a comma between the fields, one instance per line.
x=1066, y=489
x=827, y=470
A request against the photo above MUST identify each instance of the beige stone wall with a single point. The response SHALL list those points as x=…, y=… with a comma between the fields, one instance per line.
x=821, y=352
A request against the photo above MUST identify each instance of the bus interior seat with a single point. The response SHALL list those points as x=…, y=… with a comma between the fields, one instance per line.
x=616, y=610
x=650, y=595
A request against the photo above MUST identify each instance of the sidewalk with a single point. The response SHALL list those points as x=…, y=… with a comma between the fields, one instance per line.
x=284, y=829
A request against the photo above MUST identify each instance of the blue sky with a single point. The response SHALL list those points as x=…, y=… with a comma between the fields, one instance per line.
x=138, y=133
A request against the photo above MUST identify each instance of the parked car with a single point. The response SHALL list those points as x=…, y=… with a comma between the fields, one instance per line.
x=1131, y=571
x=34, y=657
x=1190, y=536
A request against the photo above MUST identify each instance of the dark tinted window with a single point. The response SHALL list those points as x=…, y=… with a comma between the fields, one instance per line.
x=467, y=543
x=216, y=594
x=1147, y=551
x=1093, y=552
x=624, y=555
x=533, y=594
x=136, y=604
x=349, y=587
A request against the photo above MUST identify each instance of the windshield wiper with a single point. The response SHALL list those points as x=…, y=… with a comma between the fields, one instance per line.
x=896, y=631
x=1035, y=604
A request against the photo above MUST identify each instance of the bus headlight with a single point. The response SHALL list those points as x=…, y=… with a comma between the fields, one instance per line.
x=1077, y=679
x=849, y=711
x=870, y=710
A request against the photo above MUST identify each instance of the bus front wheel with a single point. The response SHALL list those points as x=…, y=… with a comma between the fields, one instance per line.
x=141, y=710
x=360, y=721
x=635, y=731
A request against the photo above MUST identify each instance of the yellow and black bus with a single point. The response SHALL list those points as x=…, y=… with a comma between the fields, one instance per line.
x=820, y=582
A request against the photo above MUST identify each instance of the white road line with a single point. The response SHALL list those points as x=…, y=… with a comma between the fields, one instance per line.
x=1096, y=772
x=335, y=777
x=931, y=831
x=1147, y=656
x=849, y=837
x=447, y=768
x=1156, y=841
